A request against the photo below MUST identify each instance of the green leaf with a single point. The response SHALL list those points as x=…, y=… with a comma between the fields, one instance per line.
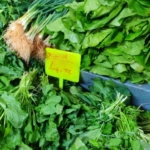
x=100, y=58
x=8, y=71
x=132, y=36
x=78, y=145
x=93, y=39
x=23, y=146
x=138, y=7
x=2, y=58
x=123, y=59
x=126, y=12
x=137, y=67
x=46, y=89
x=52, y=132
x=15, y=115
x=115, y=142
x=4, y=83
x=65, y=99
x=14, y=139
x=48, y=109
x=108, y=128
x=90, y=5
x=73, y=37
x=86, y=61
x=55, y=26
x=120, y=68
x=137, y=77
x=59, y=109
x=107, y=2
x=28, y=128
x=144, y=2
x=135, y=144
x=3, y=19
x=8, y=129
x=102, y=22
x=97, y=69
x=115, y=36
x=101, y=11
x=54, y=99
x=105, y=64
x=91, y=134
x=95, y=143
x=33, y=136
x=132, y=48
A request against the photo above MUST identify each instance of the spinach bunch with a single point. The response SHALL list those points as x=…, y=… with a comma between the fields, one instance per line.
x=112, y=37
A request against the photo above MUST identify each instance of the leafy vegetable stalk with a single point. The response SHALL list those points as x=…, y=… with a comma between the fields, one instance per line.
x=22, y=92
x=113, y=108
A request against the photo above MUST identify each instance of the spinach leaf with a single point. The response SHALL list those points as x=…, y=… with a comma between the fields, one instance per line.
x=14, y=114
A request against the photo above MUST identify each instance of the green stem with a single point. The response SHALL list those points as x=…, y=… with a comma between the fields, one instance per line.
x=120, y=99
x=2, y=115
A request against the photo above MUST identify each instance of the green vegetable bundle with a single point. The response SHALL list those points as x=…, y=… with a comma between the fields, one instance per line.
x=112, y=36
x=25, y=35
x=34, y=114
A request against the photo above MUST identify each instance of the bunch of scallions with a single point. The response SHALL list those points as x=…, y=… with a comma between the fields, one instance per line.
x=25, y=35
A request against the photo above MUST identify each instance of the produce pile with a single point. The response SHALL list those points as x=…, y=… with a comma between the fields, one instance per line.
x=37, y=115
x=34, y=112
x=112, y=36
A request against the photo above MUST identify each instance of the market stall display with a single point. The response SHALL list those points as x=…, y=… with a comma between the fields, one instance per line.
x=113, y=40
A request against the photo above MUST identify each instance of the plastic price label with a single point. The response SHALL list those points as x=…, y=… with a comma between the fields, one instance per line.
x=62, y=64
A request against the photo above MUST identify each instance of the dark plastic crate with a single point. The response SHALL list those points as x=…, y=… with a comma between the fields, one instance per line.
x=140, y=94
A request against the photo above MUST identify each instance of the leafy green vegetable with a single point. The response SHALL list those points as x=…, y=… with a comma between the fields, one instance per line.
x=138, y=6
x=120, y=27
x=72, y=118
x=34, y=114
x=12, y=109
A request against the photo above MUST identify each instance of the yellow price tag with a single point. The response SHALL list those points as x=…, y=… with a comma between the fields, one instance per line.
x=63, y=65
